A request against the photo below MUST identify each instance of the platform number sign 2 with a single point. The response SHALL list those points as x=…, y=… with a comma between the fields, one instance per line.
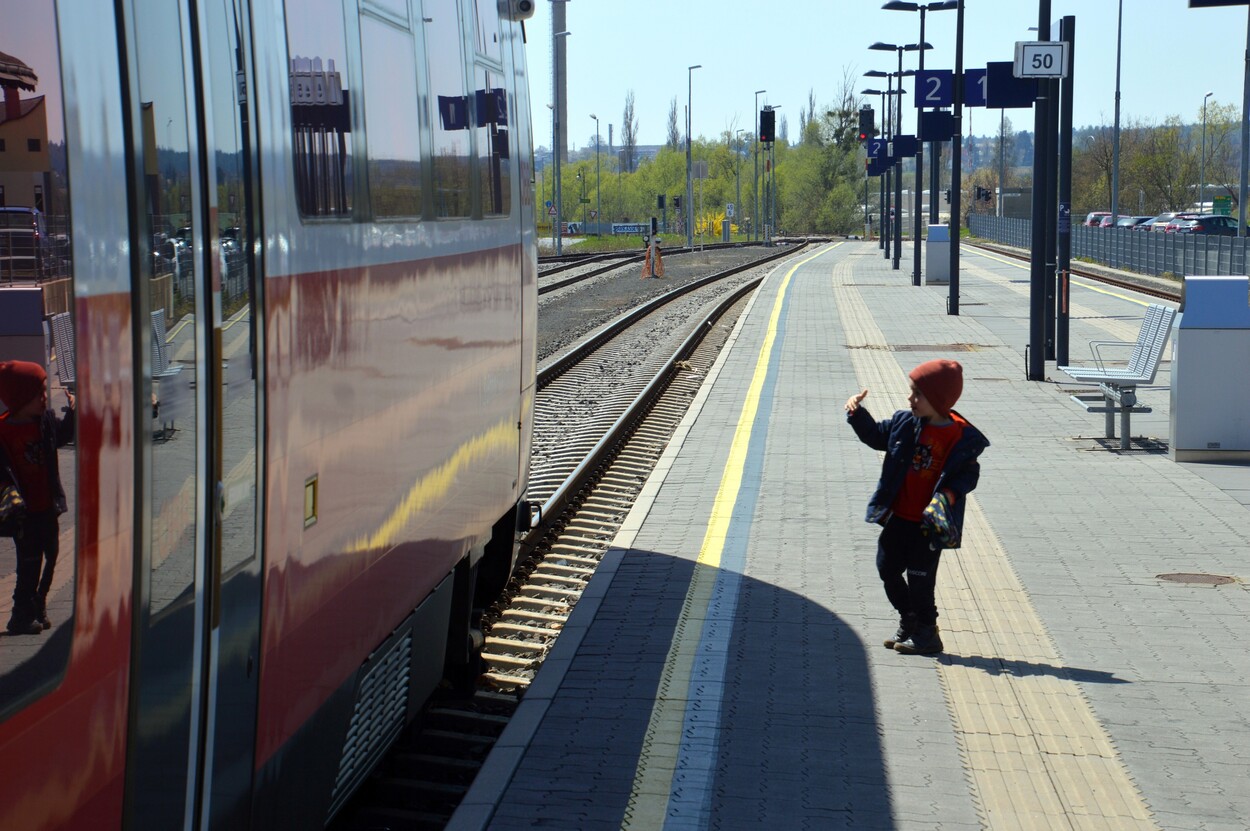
x=934, y=88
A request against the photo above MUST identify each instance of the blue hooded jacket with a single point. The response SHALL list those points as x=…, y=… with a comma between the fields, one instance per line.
x=897, y=437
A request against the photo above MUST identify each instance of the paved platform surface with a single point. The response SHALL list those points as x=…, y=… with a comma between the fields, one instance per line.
x=726, y=668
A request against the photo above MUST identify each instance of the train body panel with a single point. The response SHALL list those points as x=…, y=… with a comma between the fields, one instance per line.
x=304, y=399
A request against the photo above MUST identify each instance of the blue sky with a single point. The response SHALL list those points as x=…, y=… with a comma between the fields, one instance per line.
x=1172, y=56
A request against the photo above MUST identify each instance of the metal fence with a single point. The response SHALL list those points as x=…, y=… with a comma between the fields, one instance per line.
x=1146, y=252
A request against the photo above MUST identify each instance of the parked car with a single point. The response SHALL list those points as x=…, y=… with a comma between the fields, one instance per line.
x=1093, y=218
x=1132, y=221
x=1107, y=221
x=1160, y=222
x=1217, y=224
x=1177, y=220
x=25, y=247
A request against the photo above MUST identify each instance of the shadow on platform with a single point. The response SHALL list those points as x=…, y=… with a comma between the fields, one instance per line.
x=795, y=727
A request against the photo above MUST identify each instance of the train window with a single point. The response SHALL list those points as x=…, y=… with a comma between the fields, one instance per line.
x=393, y=127
x=396, y=9
x=445, y=56
x=494, y=156
x=38, y=568
x=486, y=41
x=320, y=107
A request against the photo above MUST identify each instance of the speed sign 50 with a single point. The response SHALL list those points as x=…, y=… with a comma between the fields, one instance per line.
x=1041, y=59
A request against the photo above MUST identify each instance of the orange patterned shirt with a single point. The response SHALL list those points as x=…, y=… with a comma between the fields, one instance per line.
x=932, y=448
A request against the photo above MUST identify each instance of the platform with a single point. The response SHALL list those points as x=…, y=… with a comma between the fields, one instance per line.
x=726, y=670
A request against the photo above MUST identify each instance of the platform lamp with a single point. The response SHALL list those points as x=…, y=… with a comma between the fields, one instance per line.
x=755, y=183
x=738, y=171
x=901, y=6
x=887, y=127
x=689, y=181
x=898, y=179
x=555, y=130
x=598, y=202
x=1202, y=178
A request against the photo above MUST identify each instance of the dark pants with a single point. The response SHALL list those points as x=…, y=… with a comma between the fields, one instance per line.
x=908, y=568
x=37, y=550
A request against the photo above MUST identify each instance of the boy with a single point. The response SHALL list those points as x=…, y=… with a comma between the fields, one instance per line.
x=929, y=449
x=30, y=434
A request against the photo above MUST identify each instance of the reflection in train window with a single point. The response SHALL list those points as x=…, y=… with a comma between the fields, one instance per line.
x=391, y=120
x=237, y=356
x=494, y=157
x=444, y=58
x=486, y=13
x=38, y=551
x=173, y=289
x=320, y=107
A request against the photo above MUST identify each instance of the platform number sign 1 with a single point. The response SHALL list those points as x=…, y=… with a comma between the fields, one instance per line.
x=1041, y=59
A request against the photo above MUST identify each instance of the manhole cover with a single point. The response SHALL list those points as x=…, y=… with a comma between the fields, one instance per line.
x=1200, y=579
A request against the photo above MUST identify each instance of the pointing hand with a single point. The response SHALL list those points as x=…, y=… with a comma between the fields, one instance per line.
x=852, y=403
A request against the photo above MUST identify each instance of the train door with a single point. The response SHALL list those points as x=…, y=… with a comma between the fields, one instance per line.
x=197, y=565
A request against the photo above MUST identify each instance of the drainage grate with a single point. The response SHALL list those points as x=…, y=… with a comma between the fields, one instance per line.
x=921, y=347
x=938, y=347
x=1198, y=579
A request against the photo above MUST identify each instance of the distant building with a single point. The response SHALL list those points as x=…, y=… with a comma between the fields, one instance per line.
x=25, y=162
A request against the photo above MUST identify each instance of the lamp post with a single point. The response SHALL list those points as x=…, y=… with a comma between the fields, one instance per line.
x=555, y=126
x=738, y=170
x=1115, y=130
x=898, y=177
x=887, y=121
x=598, y=201
x=889, y=223
x=755, y=183
x=689, y=181
x=899, y=5
x=881, y=203
x=952, y=299
x=1202, y=180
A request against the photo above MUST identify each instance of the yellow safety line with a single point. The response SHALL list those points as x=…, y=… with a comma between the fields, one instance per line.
x=653, y=777
x=1035, y=753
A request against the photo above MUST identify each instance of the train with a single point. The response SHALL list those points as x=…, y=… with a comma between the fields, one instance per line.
x=292, y=311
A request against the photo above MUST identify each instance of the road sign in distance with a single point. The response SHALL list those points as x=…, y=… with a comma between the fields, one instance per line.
x=1041, y=59
x=876, y=148
x=904, y=146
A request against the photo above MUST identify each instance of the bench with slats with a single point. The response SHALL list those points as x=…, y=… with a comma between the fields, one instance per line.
x=1117, y=386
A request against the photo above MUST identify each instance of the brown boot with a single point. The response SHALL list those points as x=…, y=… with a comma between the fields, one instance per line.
x=41, y=611
x=23, y=622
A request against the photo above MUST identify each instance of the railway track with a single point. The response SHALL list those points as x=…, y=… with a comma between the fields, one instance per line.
x=1141, y=283
x=586, y=484
x=612, y=261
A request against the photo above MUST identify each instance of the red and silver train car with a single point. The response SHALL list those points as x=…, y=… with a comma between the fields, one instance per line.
x=292, y=286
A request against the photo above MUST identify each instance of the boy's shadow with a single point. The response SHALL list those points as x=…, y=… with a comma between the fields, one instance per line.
x=1024, y=669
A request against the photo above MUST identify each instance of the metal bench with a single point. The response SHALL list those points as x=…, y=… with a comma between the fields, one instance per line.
x=63, y=344
x=160, y=348
x=1117, y=386
x=169, y=399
